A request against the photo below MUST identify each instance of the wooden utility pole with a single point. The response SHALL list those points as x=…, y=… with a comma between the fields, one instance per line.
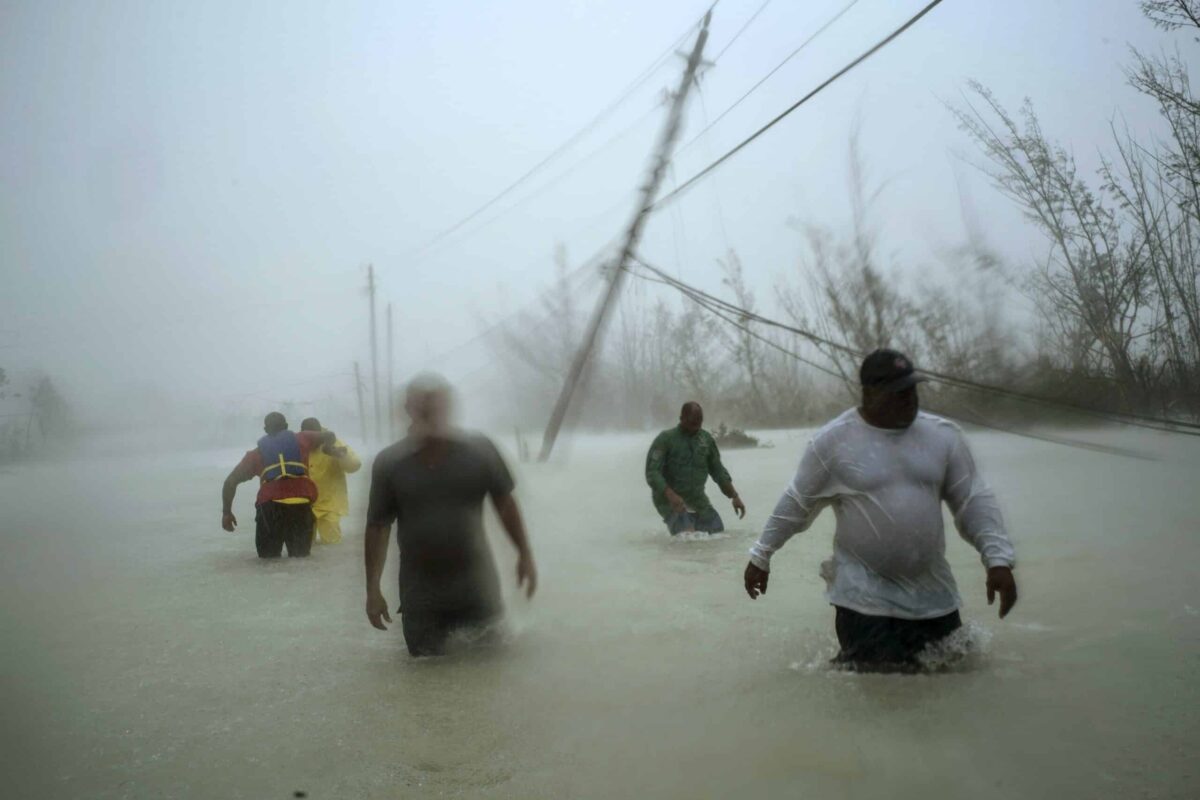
x=633, y=234
x=390, y=402
x=362, y=417
x=374, y=352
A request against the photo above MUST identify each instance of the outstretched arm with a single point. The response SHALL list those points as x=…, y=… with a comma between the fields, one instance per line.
x=514, y=526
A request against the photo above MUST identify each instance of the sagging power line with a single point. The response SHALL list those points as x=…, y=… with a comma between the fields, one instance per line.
x=974, y=418
x=1126, y=418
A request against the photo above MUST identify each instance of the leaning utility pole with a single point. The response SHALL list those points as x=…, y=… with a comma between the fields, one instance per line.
x=374, y=351
x=390, y=404
x=633, y=234
x=362, y=417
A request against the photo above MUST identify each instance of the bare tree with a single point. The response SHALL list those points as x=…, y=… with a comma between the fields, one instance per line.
x=1172, y=14
x=1092, y=285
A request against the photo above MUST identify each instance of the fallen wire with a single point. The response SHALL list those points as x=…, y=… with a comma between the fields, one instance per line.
x=1124, y=418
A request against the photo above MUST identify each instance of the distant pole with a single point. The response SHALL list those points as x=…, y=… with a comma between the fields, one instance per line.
x=389, y=405
x=633, y=235
x=374, y=351
x=362, y=417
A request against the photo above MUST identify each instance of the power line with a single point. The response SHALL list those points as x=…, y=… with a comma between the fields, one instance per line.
x=975, y=418
x=568, y=143
x=741, y=30
x=745, y=142
x=1126, y=418
x=560, y=177
x=710, y=125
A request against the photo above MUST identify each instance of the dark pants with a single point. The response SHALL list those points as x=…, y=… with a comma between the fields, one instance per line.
x=887, y=644
x=427, y=633
x=705, y=521
x=279, y=524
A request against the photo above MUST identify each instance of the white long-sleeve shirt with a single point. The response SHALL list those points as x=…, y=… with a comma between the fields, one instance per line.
x=886, y=488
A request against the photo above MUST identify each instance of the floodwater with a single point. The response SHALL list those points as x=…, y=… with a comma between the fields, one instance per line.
x=148, y=654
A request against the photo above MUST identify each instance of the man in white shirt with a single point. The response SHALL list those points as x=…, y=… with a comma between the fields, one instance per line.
x=885, y=468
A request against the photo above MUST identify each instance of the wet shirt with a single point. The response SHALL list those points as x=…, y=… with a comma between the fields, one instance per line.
x=886, y=488
x=283, y=490
x=446, y=564
x=683, y=462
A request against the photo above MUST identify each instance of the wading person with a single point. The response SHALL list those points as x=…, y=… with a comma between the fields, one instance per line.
x=432, y=485
x=283, y=509
x=328, y=466
x=680, y=461
x=886, y=468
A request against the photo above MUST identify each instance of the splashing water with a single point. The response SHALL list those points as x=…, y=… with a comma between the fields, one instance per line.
x=964, y=650
x=698, y=536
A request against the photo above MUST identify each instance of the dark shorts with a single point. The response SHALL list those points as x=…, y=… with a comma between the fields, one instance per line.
x=280, y=524
x=427, y=633
x=887, y=644
x=705, y=521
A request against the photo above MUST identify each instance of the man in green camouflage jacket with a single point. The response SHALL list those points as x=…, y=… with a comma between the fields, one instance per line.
x=679, y=463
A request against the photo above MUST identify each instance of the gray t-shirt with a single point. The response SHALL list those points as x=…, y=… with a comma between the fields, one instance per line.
x=445, y=562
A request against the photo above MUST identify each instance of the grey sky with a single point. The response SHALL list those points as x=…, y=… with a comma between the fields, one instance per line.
x=189, y=192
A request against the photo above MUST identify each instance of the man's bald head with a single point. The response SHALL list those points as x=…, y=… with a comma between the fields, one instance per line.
x=691, y=417
x=274, y=422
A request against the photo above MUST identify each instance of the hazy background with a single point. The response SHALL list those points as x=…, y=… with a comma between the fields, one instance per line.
x=189, y=193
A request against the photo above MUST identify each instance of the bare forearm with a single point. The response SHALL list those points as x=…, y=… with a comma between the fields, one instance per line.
x=375, y=555
x=728, y=490
x=228, y=490
x=514, y=525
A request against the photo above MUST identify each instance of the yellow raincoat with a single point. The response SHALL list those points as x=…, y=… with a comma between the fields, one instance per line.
x=329, y=474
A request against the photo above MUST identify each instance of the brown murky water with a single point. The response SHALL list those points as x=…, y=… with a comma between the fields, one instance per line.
x=149, y=654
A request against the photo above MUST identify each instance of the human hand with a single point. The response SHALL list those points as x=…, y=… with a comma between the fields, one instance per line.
x=756, y=580
x=676, y=501
x=739, y=507
x=1000, y=581
x=228, y=521
x=377, y=609
x=527, y=574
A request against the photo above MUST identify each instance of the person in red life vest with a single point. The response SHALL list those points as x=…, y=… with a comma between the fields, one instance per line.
x=283, y=509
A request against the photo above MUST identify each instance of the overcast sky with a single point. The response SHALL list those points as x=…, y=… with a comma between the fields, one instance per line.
x=189, y=192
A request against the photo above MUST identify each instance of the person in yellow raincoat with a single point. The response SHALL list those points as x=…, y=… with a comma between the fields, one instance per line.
x=328, y=467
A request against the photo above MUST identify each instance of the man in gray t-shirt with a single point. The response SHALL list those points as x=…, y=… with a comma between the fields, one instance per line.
x=432, y=484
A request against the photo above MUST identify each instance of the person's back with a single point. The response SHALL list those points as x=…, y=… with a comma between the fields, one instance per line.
x=283, y=512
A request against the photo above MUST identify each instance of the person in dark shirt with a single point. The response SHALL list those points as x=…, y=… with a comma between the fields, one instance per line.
x=283, y=507
x=432, y=484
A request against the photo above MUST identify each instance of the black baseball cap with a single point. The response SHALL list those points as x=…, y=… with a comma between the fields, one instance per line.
x=889, y=371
